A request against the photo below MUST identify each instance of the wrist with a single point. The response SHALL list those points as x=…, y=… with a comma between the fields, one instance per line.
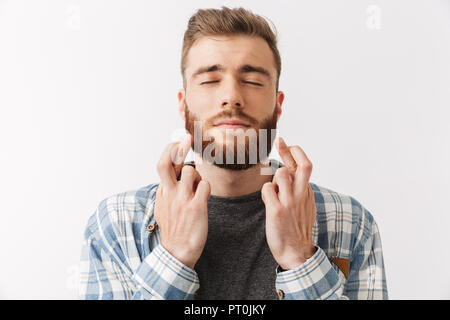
x=292, y=264
x=308, y=251
x=298, y=260
x=183, y=257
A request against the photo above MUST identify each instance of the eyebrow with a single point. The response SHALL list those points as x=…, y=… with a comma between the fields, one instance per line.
x=246, y=68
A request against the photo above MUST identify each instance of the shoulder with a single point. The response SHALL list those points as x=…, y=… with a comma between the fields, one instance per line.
x=118, y=218
x=343, y=222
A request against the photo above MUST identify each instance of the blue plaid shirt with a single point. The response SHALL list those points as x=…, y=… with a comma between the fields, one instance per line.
x=122, y=257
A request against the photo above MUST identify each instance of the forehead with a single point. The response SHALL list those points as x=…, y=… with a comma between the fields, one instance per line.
x=231, y=52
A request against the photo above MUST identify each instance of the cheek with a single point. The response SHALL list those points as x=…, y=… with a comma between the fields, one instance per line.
x=199, y=93
x=261, y=102
x=201, y=104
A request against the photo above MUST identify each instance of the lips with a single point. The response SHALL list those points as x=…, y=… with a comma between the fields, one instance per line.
x=231, y=124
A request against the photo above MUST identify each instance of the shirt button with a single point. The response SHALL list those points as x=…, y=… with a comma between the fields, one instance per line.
x=151, y=227
x=280, y=294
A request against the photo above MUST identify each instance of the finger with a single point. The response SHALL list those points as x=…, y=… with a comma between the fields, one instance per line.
x=286, y=155
x=171, y=161
x=269, y=195
x=189, y=180
x=165, y=167
x=181, y=153
x=275, y=180
x=203, y=191
x=284, y=182
x=304, y=167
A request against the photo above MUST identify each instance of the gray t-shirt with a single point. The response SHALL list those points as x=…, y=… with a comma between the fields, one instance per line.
x=236, y=262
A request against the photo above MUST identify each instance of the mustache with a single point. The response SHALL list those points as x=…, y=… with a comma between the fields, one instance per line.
x=233, y=114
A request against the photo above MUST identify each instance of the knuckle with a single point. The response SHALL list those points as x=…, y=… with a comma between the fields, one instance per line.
x=307, y=166
x=277, y=210
x=161, y=166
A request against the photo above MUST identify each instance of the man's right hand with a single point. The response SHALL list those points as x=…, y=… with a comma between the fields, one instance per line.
x=181, y=206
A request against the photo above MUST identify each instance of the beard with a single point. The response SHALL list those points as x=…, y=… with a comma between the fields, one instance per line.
x=226, y=159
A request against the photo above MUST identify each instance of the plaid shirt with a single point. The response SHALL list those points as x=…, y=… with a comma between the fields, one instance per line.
x=122, y=257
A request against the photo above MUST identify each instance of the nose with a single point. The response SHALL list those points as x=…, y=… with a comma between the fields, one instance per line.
x=232, y=96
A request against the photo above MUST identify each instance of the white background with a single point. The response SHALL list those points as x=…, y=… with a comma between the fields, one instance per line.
x=88, y=102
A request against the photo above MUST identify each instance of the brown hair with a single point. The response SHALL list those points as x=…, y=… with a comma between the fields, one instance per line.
x=226, y=21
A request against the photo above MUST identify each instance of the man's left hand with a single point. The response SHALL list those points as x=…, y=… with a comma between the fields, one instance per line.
x=290, y=208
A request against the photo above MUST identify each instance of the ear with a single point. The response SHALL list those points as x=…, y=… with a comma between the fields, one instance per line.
x=280, y=99
x=181, y=102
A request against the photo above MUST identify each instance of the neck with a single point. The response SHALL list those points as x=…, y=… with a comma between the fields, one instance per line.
x=233, y=183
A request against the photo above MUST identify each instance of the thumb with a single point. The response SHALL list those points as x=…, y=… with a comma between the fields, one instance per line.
x=269, y=194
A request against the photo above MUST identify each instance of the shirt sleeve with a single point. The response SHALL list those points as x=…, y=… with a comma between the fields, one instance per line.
x=319, y=279
x=160, y=276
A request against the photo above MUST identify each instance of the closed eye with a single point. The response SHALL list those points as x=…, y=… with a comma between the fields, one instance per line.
x=254, y=83
x=206, y=82
x=249, y=82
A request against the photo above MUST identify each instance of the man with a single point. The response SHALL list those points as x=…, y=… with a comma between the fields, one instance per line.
x=232, y=224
